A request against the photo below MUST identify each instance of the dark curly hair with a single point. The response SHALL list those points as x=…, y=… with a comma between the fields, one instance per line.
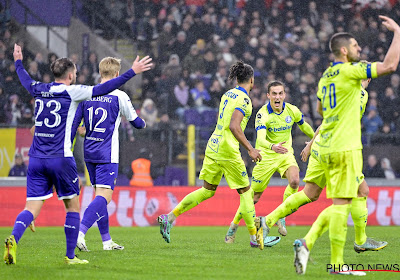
x=61, y=66
x=241, y=71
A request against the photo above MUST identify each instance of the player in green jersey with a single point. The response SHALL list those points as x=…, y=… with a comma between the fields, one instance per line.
x=340, y=136
x=274, y=123
x=222, y=156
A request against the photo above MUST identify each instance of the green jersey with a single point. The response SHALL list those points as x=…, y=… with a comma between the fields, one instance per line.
x=364, y=100
x=339, y=93
x=222, y=144
x=278, y=126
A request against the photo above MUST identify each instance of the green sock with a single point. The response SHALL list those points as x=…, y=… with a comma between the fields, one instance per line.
x=319, y=227
x=191, y=200
x=238, y=216
x=248, y=211
x=338, y=231
x=289, y=206
x=289, y=191
x=359, y=213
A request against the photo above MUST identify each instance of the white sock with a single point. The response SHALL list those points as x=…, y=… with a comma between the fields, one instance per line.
x=234, y=226
x=171, y=217
x=81, y=235
x=253, y=238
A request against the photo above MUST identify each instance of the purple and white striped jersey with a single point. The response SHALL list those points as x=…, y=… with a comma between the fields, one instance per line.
x=102, y=117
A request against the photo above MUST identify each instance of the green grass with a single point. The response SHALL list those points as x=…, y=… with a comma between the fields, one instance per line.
x=195, y=253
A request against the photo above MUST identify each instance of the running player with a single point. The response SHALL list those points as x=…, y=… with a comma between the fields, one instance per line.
x=315, y=183
x=51, y=162
x=274, y=123
x=340, y=136
x=102, y=117
x=222, y=156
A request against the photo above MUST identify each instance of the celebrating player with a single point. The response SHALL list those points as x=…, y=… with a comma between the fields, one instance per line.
x=274, y=122
x=222, y=156
x=340, y=136
x=102, y=116
x=51, y=162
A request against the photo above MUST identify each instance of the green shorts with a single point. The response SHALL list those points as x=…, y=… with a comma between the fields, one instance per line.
x=315, y=173
x=234, y=171
x=264, y=169
x=342, y=171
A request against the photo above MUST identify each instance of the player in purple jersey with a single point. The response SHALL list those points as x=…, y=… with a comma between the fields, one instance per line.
x=102, y=117
x=51, y=162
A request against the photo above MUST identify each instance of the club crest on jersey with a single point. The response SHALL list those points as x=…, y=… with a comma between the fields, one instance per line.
x=288, y=119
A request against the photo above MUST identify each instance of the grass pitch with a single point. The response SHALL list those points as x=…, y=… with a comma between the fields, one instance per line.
x=195, y=253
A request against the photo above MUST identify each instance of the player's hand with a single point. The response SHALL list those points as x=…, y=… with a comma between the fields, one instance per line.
x=305, y=153
x=390, y=24
x=142, y=65
x=279, y=149
x=255, y=155
x=17, y=52
x=82, y=131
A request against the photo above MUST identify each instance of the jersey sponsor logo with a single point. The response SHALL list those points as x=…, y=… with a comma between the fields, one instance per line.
x=333, y=118
x=49, y=135
x=94, y=138
x=74, y=181
x=247, y=101
x=288, y=119
x=112, y=173
x=282, y=128
x=259, y=116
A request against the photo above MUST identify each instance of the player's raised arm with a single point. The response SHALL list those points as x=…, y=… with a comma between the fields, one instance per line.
x=23, y=76
x=138, y=66
x=392, y=57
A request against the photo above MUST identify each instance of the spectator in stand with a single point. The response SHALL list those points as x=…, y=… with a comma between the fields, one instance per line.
x=389, y=106
x=387, y=169
x=3, y=104
x=180, y=45
x=373, y=168
x=149, y=113
x=13, y=110
x=34, y=71
x=181, y=100
x=201, y=97
x=93, y=66
x=194, y=62
x=372, y=122
x=19, y=169
x=26, y=118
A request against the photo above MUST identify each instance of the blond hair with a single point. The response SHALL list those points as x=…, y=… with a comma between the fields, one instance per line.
x=109, y=67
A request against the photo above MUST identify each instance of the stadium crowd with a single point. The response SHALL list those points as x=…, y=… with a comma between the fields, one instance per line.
x=194, y=42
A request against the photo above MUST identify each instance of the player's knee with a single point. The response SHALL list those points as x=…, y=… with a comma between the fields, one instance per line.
x=314, y=197
x=294, y=183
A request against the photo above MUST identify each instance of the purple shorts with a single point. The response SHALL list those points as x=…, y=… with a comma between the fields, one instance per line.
x=103, y=175
x=43, y=173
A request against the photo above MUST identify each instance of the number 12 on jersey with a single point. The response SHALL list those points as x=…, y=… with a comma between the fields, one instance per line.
x=332, y=96
x=102, y=119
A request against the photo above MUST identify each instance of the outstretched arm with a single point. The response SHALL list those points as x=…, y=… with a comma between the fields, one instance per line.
x=392, y=57
x=307, y=129
x=138, y=67
x=305, y=153
x=263, y=142
x=23, y=76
